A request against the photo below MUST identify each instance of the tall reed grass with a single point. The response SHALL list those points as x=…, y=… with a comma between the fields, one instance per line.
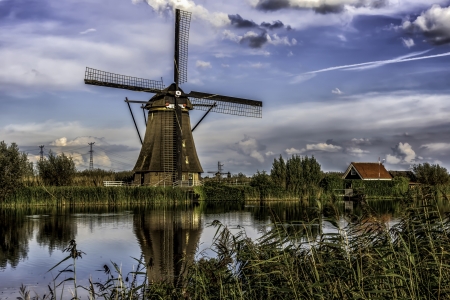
x=79, y=195
x=362, y=260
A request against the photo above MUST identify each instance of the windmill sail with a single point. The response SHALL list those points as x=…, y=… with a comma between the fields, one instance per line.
x=226, y=104
x=182, y=22
x=102, y=78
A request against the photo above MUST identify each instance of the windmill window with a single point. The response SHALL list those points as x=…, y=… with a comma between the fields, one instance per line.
x=184, y=143
x=353, y=172
x=187, y=159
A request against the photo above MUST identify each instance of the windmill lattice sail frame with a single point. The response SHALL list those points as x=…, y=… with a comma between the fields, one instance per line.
x=225, y=107
x=102, y=78
x=181, y=46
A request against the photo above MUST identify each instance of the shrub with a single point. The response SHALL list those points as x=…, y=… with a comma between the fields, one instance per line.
x=431, y=174
x=14, y=166
x=57, y=170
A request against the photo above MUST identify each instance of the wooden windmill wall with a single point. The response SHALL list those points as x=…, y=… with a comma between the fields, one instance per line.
x=157, y=162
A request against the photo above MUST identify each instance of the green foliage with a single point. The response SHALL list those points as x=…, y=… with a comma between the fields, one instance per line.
x=301, y=174
x=216, y=191
x=380, y=188
x=14, y=166
x=431, y=174
x=58, y=170
x=278, y=172
x=331, y=182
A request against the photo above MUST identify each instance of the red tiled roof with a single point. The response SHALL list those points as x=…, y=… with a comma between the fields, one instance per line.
x=371, y=170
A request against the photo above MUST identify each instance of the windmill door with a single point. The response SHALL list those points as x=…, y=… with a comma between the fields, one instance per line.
x=191, y=179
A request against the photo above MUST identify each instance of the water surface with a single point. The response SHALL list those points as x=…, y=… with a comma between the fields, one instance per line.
x=32, y=240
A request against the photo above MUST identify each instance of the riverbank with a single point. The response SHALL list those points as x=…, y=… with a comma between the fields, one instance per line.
x=130, y=195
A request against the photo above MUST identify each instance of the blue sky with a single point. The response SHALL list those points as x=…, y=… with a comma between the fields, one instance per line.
x=343, y=80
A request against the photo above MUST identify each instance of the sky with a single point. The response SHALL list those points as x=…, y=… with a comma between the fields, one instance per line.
x=341, y=80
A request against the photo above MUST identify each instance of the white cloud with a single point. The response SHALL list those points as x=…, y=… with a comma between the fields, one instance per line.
x=434, y=23
x=342, y=37
x=269, y=153
x=437, y=147
x=229, y=35
x=337, y=91
x=356, y=151
x=321, y=147
x=88, y=30
x=292, y=151
x=251, y=147
x=218, y=19
x=408, y=42
x=225, y=65
x=290, y=54
x=403, y=154
x=276, y=40
x=361, y=141
x=82, y=140
x=406, y=150
x=202, y=64
x=393, y=160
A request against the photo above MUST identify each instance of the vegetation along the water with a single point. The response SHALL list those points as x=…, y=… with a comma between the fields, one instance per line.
x=363, y=260
x=55, y=181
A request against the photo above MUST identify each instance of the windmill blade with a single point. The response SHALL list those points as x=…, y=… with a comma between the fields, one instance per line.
x=102, y=78
x=226, y=105
x=182, y=23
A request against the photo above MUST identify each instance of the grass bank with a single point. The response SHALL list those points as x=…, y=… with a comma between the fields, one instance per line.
x=85, y=195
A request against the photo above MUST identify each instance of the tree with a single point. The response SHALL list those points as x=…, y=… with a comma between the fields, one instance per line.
x=263, y=182
x=294, y=174
x=14, y=166
x=431, y=174
x=57, y=170
x=278, y=172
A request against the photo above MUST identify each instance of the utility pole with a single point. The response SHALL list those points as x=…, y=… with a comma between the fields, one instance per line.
x=91, y=161
x=42, y=151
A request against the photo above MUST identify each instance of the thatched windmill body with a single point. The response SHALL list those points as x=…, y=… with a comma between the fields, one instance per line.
x=168, y=153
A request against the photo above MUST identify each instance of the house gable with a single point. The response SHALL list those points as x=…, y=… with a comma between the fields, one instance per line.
x=351, y=173
x=367, y=171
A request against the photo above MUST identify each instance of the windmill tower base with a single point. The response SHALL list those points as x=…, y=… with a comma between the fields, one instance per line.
x=166, y=179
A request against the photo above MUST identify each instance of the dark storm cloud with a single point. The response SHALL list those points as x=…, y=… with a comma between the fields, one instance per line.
x=272, y=5
x=239, y=22
x=255, y=41
x=328, y=9
x=321, y=8
x=274, y=25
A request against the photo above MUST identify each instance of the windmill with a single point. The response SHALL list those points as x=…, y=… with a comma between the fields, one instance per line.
x=168, y=155
x=218, y=174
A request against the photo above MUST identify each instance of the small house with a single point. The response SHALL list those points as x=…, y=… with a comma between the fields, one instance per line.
x=367, y=171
